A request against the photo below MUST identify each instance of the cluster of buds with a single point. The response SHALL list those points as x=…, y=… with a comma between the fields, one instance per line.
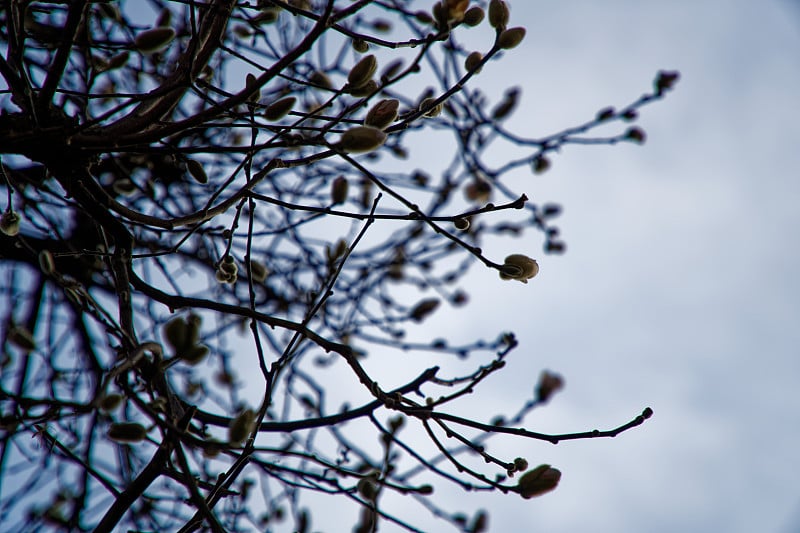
x=227, y=271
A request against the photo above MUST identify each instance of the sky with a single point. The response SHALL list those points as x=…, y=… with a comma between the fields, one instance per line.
x=678, y=288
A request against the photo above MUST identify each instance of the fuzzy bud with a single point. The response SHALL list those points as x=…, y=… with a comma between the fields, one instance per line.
x=362, y=72
x=538, y=481
x=473, y=62
x=434, y=111
x=382, y=114
x=241, y=427
x=339, y=189
x=498, y=14
x=519, y=267
x=197, y=171
x=20, y=337
x=635, y=134
x=474, y=16
x=423, y=309
x=362, y=139
x=510, y=38
x=154, y=40
x=46, y=262
x=278, y=110
x=127, y=432
x=10, y=223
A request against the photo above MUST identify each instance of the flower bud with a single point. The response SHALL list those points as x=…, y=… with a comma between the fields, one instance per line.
x=339, y=189
x=540, y=164
x=519, y=267
x=507, y=104
x=362, y=139
x=382, y=114
x=10, y=222
x=197, y=171
x=127, y=432
x=520, y=464
x=549, y=384
x=474, y=16
x=46, y=262
x=360, y=45
x=538, y=481
x=109, y=402
x=154, y=40
x=473, y=62
x=278, y=110
x=241, y=427
x=423, y=309
x=258, y=271
x=461, y=224
x=607, y=113
x=362, y=72
x=478, y=190
x=498, y=14
x=510, y=38
x=434, y=111
x=665, y=80
x=20, y=337
x=636, y=135
x=251, y=84
x=369, y=88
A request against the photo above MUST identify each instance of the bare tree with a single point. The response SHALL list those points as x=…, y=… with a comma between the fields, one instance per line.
x=214, y=235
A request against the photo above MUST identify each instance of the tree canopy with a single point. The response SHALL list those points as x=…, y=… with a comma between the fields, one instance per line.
x=221, y=219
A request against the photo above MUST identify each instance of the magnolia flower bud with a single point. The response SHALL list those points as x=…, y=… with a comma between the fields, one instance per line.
x=498, y=14
x=258, y=271
x=10, y=222
x=665, y=80
x=362, y=139
x=362, y=72
x=538, y=481
x=549, y=384
x=278, y=110
x=109, y=402
x=365, y=90
x=251, y=83
x=434, y=111
x=510, y=38
x=461, y=224
x=540, y=164
x=360, y=45
x=519, y=267
x=197, y=171
x=636, y=135
x=339, y=189
x=241, y=427
x=127, y=432
x=473, y=62
x=423, y=309
x=20, y=337
x=474, y=16
x=154, y=40
x=382, y=114
x=46, y=262
x=507, y=104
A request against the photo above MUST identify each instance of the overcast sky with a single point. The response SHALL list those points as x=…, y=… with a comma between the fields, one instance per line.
x=678, y=290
